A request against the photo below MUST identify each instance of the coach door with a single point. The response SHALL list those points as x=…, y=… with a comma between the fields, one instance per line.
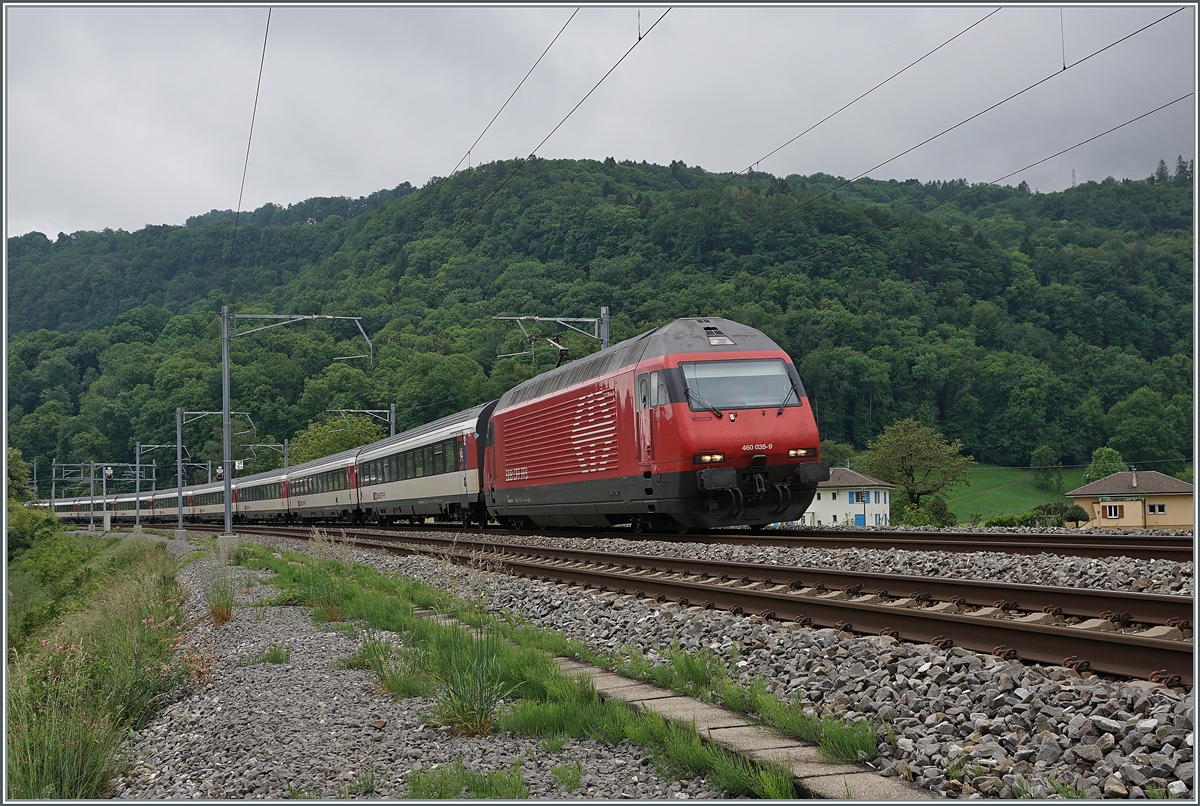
x=645, y=428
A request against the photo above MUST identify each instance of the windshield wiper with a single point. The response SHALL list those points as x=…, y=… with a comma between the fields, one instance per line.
x=791, y=391
x=704, y=402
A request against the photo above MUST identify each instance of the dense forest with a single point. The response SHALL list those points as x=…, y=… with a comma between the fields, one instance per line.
x=1008, y=319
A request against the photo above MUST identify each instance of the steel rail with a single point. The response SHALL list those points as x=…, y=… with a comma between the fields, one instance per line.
x=1174, y=548
x=1107, y=652
x=1122, y=607
x=1102, y=651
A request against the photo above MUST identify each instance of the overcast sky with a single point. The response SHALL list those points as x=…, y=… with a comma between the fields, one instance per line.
x=123, y=117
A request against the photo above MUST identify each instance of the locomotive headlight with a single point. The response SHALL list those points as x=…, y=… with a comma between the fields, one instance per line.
x=708, y=458
x=796, y=453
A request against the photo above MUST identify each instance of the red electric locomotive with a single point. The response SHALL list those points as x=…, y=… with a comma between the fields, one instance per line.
x=700, y=423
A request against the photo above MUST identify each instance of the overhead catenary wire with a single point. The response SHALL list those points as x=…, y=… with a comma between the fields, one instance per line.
x=754, y=165
x=994, y=182
x=521, y=163
x=249, y=140
x=1055, y=74
x=437, y=191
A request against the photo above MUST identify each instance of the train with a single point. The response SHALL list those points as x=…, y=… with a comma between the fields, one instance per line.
x=701, y=423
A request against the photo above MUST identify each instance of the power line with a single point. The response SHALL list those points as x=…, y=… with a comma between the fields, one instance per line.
x=752, y=165
x=437, y=191
x=249, y=140
x=928, y=140
x=533, y=153
x=996, y=182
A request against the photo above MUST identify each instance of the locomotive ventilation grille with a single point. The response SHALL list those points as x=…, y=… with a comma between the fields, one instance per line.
x=572, y=437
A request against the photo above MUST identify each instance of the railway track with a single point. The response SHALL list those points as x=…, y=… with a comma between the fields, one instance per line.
x=1129, y=634
x=1178, y=548
x=1174, y=548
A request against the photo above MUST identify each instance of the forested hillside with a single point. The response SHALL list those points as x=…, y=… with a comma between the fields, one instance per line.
x=1009, y=319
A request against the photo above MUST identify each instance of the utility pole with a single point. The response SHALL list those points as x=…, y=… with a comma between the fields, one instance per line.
x=225, y=431
x=180, y=532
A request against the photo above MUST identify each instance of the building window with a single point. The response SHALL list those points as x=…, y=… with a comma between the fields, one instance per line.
x=1157, y=509
x=885, y=496
x=835, y=516
x=818, y=496
x=1114, y=511
x=833, y=497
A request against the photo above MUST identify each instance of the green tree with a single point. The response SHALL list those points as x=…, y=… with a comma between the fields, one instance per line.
x=1047, y=469
x=1161, y=174
x=1075, y=514
x=1105, y=462
x=917, y=459
x=838, y=454
x=333, y=435
x=1183, y=171
x=18, y=476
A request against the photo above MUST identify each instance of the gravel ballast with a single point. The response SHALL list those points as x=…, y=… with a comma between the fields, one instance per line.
x=965, y=725
x=309, y=729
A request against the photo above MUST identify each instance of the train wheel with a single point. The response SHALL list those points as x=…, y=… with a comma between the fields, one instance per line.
x=639, y=526
x=757, y=528
x=681, y=529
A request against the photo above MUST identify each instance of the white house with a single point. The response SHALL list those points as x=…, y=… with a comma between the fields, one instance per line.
x=849, y=498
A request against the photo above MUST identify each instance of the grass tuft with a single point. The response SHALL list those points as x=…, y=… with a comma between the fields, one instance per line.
x=568, y=776
x=275, y=653
x=363, y=783
x=456, y=781
x=847, y=742
x=1065, y=790
x=470, y=684
x=219, y=596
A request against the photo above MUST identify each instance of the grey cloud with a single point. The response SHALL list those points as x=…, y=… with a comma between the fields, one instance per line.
x=119, y=117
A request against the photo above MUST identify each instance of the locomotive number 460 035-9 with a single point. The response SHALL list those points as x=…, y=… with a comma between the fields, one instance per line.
x=758, y=446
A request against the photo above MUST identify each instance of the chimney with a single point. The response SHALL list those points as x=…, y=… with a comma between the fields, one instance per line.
x=1134, y=469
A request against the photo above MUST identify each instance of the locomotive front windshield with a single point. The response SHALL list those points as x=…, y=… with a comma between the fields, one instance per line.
x=738, y=384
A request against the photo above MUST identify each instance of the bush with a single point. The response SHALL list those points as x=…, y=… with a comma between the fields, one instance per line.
x=26, y=526
x=932, y=512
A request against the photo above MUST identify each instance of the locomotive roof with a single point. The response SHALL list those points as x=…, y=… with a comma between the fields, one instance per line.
x=692, y=335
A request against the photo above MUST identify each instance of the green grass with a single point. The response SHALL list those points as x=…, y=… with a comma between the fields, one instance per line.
x=484, y=682
x=456, y=781
x=75, y=693
x=219, y=594
x=568, y=776
x=363, y=783
x=1006, y=491
x=275, y=653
